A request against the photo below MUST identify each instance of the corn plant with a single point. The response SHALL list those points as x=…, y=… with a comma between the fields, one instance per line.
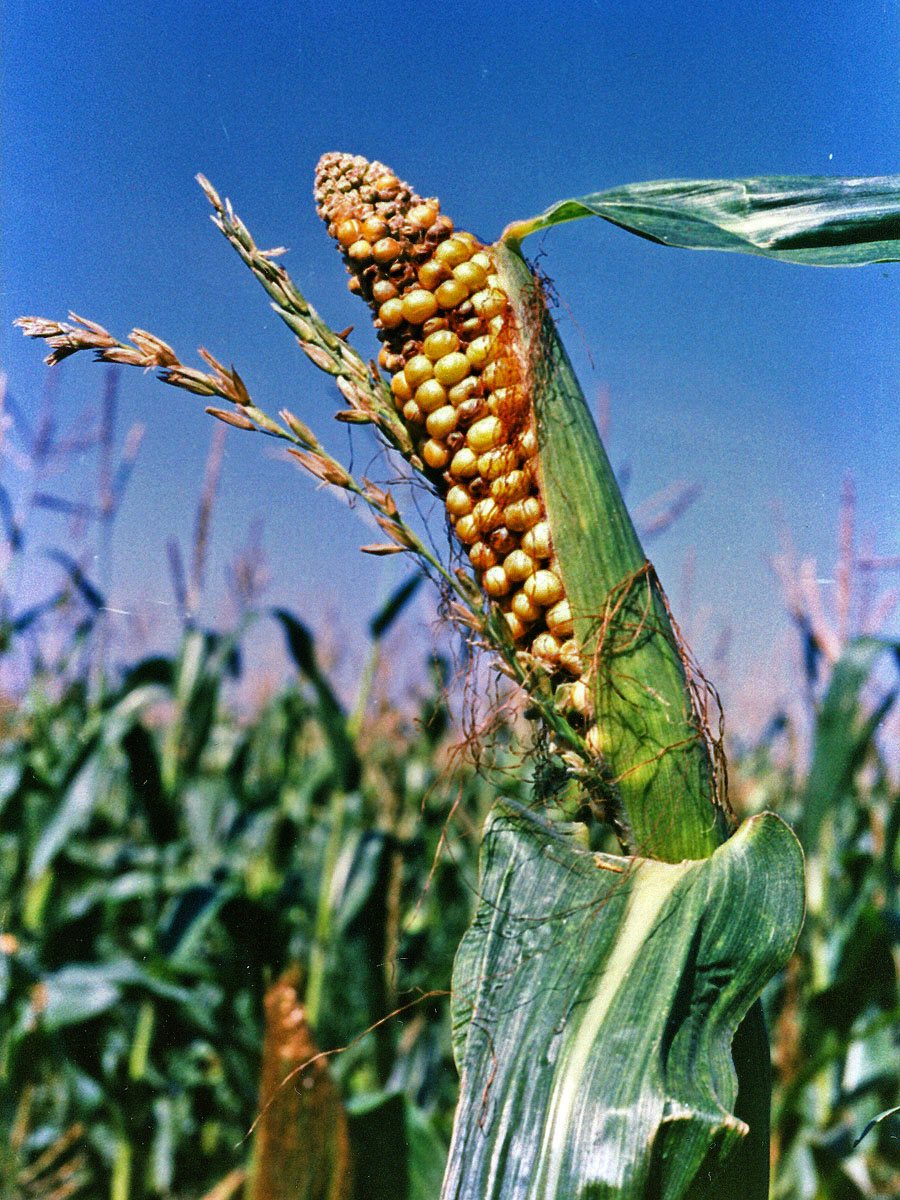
x=606, y=1025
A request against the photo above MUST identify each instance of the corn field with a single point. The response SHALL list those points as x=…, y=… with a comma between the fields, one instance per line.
x=352, y=950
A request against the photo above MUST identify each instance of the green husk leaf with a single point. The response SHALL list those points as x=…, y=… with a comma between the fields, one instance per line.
x=817, y=220
x=656, y=750
x=621, y=983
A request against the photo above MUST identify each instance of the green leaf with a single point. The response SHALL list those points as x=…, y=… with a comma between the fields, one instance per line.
x=595, y=1001
x=820, y=220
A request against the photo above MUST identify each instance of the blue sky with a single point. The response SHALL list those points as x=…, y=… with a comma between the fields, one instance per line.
x=762, y=382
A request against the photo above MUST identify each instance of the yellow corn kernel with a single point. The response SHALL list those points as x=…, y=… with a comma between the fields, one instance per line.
x=400, y=387
x=471, y=274
x=418, y=306
x=518, y=565
x=482, y=557
x=488, y=513
x=347, y=232
x=467, y=530
x=360, y=250
x=385, y=250
x=513, y=486
x=527, y=442
x=383, y=289
x=435, y=454
x=431, y=274
x=465, y=463
x=522, y=514
x=485, y=434
x=495, y=582
x=524, y=608
x=459, y=502
x=499, y=373
x=436, y=345
x=537, y=540
x=489, y=302
x=451, y=293
x=570, y=657
x=442, y=421
x=517, y=628
x=452, y=368
x=412, y=414
x=417, y=370
x=391, y=313
x=453, y=251
x=430, y=395
x=544, y=588
x=559, y=617
x=480, y=351
x=495, y=463
x=460, y=392
x=483, y=260
x=374, y=228
x=546, y=647
x=576, y=696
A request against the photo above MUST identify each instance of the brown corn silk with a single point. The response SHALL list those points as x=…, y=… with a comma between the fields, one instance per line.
x=467, y=348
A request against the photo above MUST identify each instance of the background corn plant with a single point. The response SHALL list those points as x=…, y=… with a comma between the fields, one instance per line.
x=631, y=1123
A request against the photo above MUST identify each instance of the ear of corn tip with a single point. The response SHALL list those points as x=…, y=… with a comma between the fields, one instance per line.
x=450, y=346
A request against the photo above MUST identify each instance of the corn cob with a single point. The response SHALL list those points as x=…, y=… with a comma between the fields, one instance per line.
x=459, y=376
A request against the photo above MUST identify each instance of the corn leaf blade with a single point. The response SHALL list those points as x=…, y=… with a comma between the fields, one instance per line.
x=621, y=991
x=817, y=220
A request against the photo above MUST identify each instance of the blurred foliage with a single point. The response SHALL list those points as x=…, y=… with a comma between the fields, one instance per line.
x=834, y=1014
x=162, y=862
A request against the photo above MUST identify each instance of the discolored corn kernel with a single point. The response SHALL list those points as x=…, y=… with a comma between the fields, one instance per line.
x=390, y=314
x=518, y=565
x=412, y=414
x=522, y=514
x=453, y=251
x=537, y=540
x=494, y=582
x=570, y=657
x=499, y=373
x=451, y=293
x=593, y=739
x=430, y=396
x=482, y=557
x=495, y=463
x=360, y=251
x=513, y=486
x=469, y=410
x=419, y=305
x=458, y=501
x=417, y=370
x=471, y=274
x=544, y=588
x=525, y=608
x=488, y=513
x=467, y=530
x=576, y=697
x=503, y=541
x=432, y=273
x=465, y=463
x=442, y=421
x=480, y=351
x=559, y=618
x=385, y=250
x=452, y=368
x=527, y=443
x=382, y=290
x=436, y=345
x=435, y=454
x=485, y=434
x=400, y=387
x=546, y=647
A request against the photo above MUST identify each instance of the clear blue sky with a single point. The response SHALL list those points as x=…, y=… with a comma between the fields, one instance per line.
x=762, y=382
